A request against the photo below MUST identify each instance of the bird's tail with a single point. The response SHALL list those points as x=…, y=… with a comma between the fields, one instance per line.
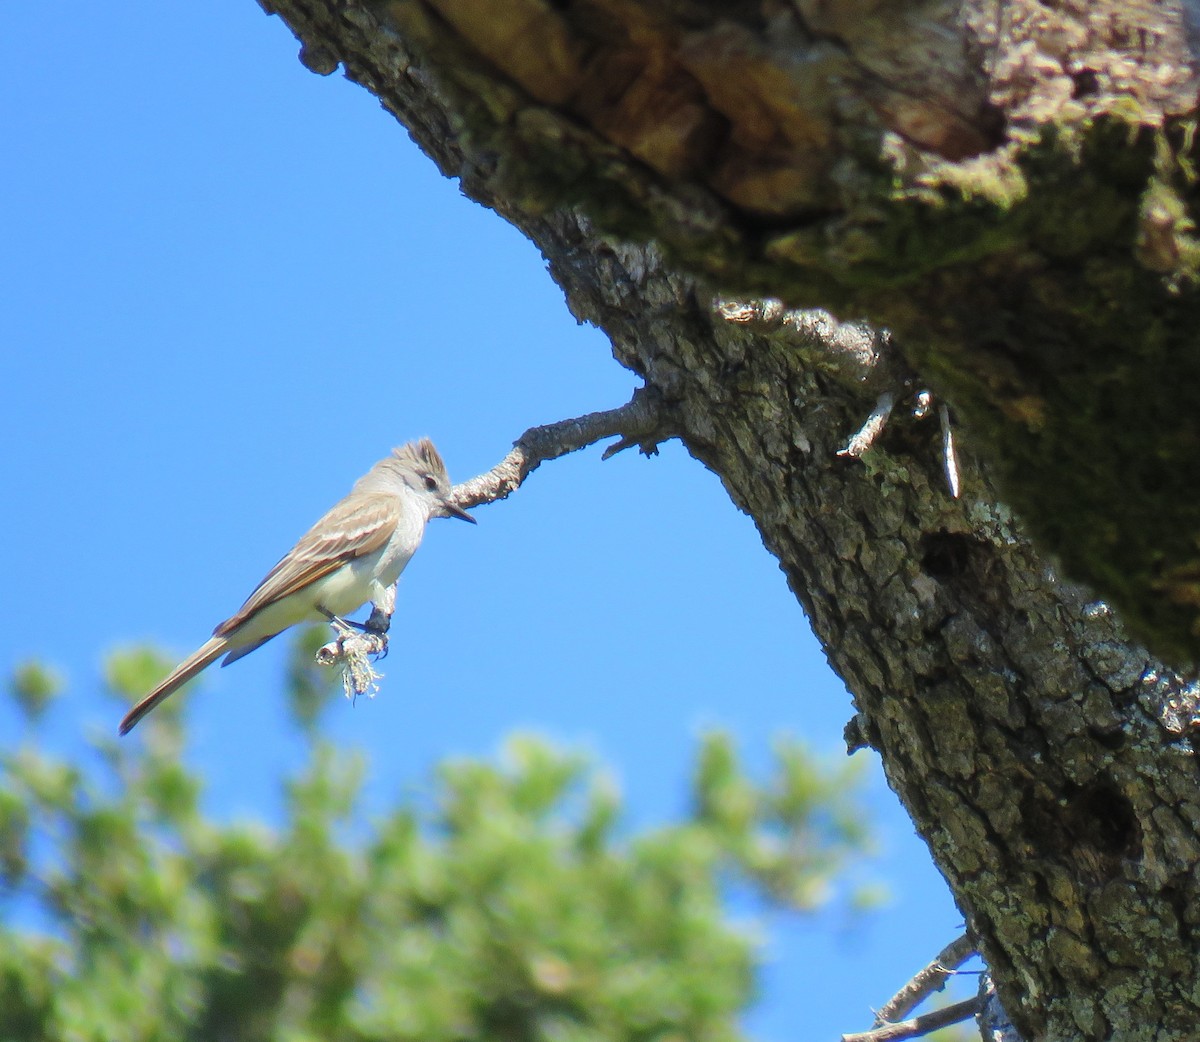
x=180, y=675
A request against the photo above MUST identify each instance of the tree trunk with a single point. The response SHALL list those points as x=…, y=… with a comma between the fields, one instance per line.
x=1004, y=186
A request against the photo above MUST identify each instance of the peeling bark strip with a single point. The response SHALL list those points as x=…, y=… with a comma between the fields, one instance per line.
x=1047, y=762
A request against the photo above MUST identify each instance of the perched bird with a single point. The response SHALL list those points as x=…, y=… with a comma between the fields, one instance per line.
x=351, y=556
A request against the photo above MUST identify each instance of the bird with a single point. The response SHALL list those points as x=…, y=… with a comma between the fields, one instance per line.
x=352, y=555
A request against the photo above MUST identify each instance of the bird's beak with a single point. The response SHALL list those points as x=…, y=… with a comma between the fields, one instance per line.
x=456, y=511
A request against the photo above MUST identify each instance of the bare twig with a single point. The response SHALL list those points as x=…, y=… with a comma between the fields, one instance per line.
x=872, y=428
x=640, y=421
x=925, y=982
x=917, y=1026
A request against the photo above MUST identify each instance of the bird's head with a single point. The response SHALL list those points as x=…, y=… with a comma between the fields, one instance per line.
x=420, y=467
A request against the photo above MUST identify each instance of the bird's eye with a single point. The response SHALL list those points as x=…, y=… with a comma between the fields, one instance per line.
x=431, y=482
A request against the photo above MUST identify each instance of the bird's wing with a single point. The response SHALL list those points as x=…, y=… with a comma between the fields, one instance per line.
x=358, y=525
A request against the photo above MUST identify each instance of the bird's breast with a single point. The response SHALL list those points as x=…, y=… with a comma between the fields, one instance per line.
x=390, y=559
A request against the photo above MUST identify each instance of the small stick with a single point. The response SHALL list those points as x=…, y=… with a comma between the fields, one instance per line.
x=922, y=1025
x=872, y=428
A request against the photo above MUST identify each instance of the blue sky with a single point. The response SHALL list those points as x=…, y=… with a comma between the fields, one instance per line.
x=227, y=286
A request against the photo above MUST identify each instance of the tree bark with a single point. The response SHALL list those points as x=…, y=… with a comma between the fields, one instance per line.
x=1004, y=186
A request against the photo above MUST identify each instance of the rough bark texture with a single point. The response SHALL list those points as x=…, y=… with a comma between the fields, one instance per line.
x=894, y=159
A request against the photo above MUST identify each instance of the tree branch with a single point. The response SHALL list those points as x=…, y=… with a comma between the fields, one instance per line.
x=925, y=982
x=922, y=1025
x=888, y=1026
x=640, y=421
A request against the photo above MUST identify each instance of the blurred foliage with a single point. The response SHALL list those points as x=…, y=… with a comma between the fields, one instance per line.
x=513, y=905
x=33, y=687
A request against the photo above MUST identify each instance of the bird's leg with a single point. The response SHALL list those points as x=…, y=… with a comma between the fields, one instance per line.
x=380, y=620
x=381, y=612
x=343, y=626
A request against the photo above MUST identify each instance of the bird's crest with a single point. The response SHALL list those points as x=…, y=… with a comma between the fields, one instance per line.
x=420, y=456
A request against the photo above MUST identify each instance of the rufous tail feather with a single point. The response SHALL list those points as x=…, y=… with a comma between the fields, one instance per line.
x=188, y=668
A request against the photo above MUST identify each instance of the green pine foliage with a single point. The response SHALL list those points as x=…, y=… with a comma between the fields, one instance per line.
x=511, y=904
